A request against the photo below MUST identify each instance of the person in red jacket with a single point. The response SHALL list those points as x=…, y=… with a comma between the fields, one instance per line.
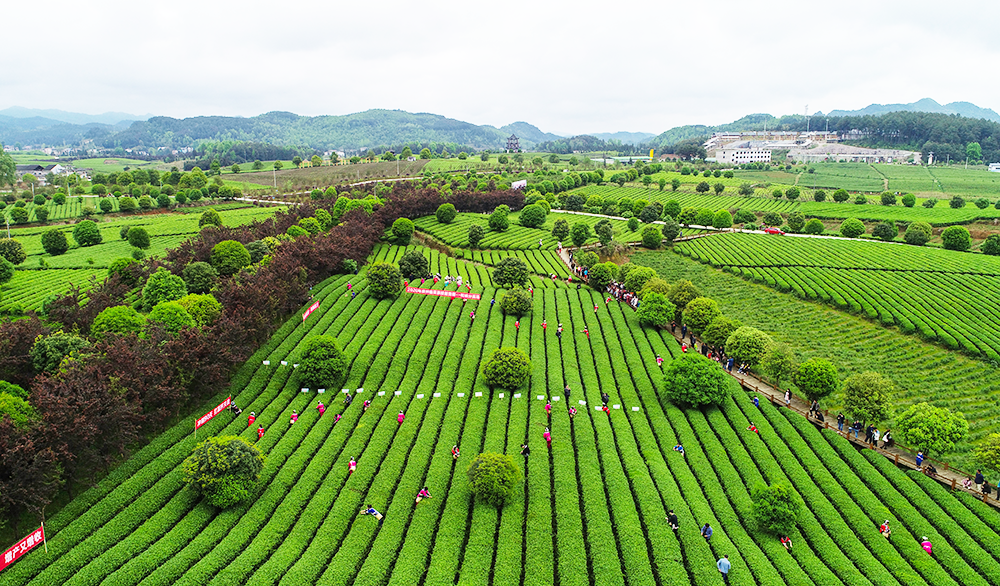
x=454, y=452
x=260, y=431
x=251, y=419
x=351, y=466
x=400, y=418
x=321, y=408
x=586, y=331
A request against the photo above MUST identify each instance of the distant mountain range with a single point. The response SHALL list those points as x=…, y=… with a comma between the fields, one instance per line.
x=925, y=105
x=109, y=118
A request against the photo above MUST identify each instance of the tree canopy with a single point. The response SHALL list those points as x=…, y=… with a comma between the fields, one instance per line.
x=223, y=469
x=929, y=428
x=817, y=378
x=867, y=396
x=322, y=363
x=692, y=380
x=493, y=478
x=507, y=368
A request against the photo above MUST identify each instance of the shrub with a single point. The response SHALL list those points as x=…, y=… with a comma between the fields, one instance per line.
x=414, y=265
x=48, y=352
x=918, y=233
x=476, y=234
x=507, y=368
x=772, y=219
x=719, y=330
x=691, y=380
x=852, y=228
x=163, y=286
x=119, y=319
x=560, y=230
x=796, y=221
x=510, y=271
x=515, y=301
x=324, y=219
x=6, y=271
x=601, y=275
x=42, y=214
x=655, y=310
x=909, y=200
x=819, y=195
x=204, y=309
x=86, y=233
x=722, y=220
x=683, y=292
x=402, y=231
x=776, y=507
x=657, y=285
x=748, y=345
x=957, y=202
x=258, y=250
x=744, y=217
x=988, y=452
x=860, y=199
x=446, y=213
x=499, y=221
x=138, y=253
x=311, y=225
x=624, y=270
x=580, y=233
x=209, y=217
x=991, y=245
x=867, y=396
x=146, y=203
x=532, y=216
x=814, y=226
x=817, y=378
x=930, y=202
x=651, y=236
x=163, y=201
x=929, y=428
x=778, y=362
x=295, y=231
x=384, y=280
x=55, y=242
x=127, y=204
x=888, y=198
x=700, y=312
x=123, y=268
x=841, y=195
x=493, y=478
x=777, y=193
x=586, y=259
x=105, y=205
x=956, y=238
x=704, y=217
x=138, y=237
x=172, y=316
x=885, y=230
x=228, y=257
x=223, y=469
x=670, y=230
x=792, y=193
x=59, y=198
x=637, y=278
x=21, y=412
x=322, y=363
x=200, y=277
x=19, y=215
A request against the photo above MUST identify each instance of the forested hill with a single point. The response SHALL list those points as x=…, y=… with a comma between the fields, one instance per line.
x=372, y=128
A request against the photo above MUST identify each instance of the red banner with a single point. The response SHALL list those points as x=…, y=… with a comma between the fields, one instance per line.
x=311, y=309
x=219, y=409
x=22, y=547
x=452, y=294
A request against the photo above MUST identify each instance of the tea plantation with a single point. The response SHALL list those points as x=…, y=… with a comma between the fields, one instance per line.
x=591, y=509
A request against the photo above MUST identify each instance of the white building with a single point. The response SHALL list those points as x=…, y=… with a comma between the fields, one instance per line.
x=995, y=167
x=739, y=153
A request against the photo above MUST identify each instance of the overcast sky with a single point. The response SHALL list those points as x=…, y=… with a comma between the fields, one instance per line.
x=566, y=67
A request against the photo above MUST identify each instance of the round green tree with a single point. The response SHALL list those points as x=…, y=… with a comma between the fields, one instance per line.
x=209, y=217
x=493, y=478
x=172, y=316
x=988, y=452
x=204, y=309
x=852, y=228
x=414, y=265
x=223, y=469
x=637, y=277
x=476, y=234
x=918, y=233
x=655, y=284
x=384, y=280
x=748, y=345
x=532, y=216
x=506, y=368
x=991, y=245
x=163, y=286
x=655, y=310
x=817, y=378
x=138, y=237
x=515, y=301
x=719, y=330
x=814, y=226
x=6, y=271
x=601, y=275
x=930, y=429
x=48, y=352
x=120, y=319
x=909, y=200
x=322, y=363
x=700, y=312
x=691, y=380
x=499, y=221
x=722, y=220
x=776, y=507
x=796, y=221
x=586, y=259
x=778, y=363
x=683, y=292
x=402, y=231
x=200, y=277
x=579, y=233
x=671, y=230
x=651, y=236
x=510, y=271
x=560, y=230
x=55, y=242
x=86, y=233
x=956, y=238
x=867, y=396
x=295, y=231
x=229, y=256
x=446, y=213
x=312, y=226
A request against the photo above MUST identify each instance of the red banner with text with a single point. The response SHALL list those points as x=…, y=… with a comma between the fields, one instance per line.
x=311, y=309
x=22, y=547
x=218, y=409
x=452, y=294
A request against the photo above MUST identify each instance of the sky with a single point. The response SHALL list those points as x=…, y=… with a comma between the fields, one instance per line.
x=568, y=68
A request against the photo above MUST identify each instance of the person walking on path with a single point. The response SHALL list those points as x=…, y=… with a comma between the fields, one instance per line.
x=787, y=542
x=723, y=565
x=729, y=365
x=566, y=391
x=251, y=419
x=684, y=347
x=370, y=510
x=706, y=531
x=605, y=398
x=548, y=437
x=926, y=544
x=979, y=478
x=321, y=408
x=788, y=399
x=295, y=417
x=548, y=410
x=400, y=418
x=517, y=325
x=260, y=431
x=840, y=421
x=813, y=408
x=875, y=437
x=454, y=452
x=352, y=465
x=684, y=330
x=423, y=494
x=920, y=459
x=672, y=520
x=572, y=412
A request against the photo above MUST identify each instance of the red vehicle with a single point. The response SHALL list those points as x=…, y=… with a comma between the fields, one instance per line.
x=772, y=230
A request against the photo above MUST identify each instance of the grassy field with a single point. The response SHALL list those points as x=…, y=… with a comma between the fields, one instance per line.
x=109, y=164
x=291, y=179
x=590, y=511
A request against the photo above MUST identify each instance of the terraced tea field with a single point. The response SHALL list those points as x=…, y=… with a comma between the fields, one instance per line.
x=590, y=511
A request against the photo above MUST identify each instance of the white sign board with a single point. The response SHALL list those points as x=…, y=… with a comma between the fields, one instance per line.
x=420, y=396
x=267, y=363
x=381, y=393
x=501, y=395
x=437, y=394
x=479, y=394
